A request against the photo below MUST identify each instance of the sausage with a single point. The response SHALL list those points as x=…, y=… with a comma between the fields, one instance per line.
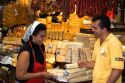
x=72, y=6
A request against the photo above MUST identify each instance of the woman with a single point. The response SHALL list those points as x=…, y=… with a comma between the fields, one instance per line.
x=31, y=65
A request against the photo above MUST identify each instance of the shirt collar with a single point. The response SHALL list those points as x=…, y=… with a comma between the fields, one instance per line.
x=109, y=37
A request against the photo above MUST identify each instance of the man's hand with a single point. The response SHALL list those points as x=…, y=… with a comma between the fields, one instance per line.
x=87, y=64
x=81, y=64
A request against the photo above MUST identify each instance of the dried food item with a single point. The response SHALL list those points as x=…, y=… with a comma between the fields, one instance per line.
x=94, y=7
x=72, y=6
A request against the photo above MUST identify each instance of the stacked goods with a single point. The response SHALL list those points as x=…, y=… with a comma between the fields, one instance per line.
x=75, y=74
x=14, y=36
x=71, y=66
x=12, y=40
x=68, y=36
x=72, y=52
x=61, y=51
x=6, y=60
x=50, y=58
x=81, y=78
x=18, y=31
x=58, y=31
x=67, y=51
x=87, y=53
x=87, y=39
x=59, y=73
x=74, y=27
x=14, y=60
x=50, y=47
x=9, y=49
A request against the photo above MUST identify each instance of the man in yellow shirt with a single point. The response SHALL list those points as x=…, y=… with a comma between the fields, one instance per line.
x=107, y=59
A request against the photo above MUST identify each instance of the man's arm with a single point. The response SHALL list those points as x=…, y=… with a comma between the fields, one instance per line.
x=115, y=50
x=115, y=74
x=88, y=64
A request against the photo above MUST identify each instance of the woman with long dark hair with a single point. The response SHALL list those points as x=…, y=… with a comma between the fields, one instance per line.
x=31, y=65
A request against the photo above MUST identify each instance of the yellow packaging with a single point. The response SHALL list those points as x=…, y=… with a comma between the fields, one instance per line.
x=42, y=20
x=48, y=34
x=49, y=19
x=60, y=35
x=57, y=35
x=49, y=26
x=62, y=26
x=66, y=27
x=74, y=27
x=53, y=34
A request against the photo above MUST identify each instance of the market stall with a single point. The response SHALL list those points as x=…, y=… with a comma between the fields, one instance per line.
x=69, y=35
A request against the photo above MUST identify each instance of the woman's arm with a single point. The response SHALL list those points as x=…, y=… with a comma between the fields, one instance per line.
x=22, y=67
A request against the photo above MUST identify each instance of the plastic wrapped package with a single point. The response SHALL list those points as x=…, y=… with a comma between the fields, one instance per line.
x=68, y=55
x=61, y=35
x=59, y=73
x=81, y=78
x=53, y=35
x=74, y=70
x=66, y=27
x=50, y=58
x=48, y=34
x=75, y=53
x=60, y=55
x=49, y=26
x=74, y=27
x=62, y=26
x=50, y=45
x=57, y=35
x=49, y=19
x=71, y=66
x=54, y=46
x=79, y=73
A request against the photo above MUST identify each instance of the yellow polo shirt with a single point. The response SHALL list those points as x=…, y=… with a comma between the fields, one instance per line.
x=106, y=57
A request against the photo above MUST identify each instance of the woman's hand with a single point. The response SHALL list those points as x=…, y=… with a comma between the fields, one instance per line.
x=49, y=76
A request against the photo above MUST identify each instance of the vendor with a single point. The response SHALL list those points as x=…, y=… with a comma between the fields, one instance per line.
x=31, y=64
x=107, y=59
